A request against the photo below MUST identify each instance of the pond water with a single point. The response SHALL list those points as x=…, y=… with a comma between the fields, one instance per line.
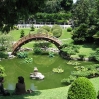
x=45, y=64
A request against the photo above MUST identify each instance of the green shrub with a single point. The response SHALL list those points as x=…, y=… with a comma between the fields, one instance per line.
x=97, y=33
x=69, y=80
x=56, y=30
x=43, y=31
x=22, y=34
x=42, y=44
x=37, y=50
x=3, y=55
x=28, y=60
x=2, y=71
x=22, y=55
x=82, y=56
x=57, y=33
x=16, y=28
x=69, y=29
x=95, y=55
x=55, y=27
x=80, y=73
x=81, y=88
x=32, y=28
x=46, y=28
x=2, y=48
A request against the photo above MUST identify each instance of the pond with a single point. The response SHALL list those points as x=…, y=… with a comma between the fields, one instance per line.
x=45, y=64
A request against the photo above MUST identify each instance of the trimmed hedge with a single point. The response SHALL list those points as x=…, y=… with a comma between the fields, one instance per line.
x=81, y=88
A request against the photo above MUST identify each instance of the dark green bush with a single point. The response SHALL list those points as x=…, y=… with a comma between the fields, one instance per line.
x=70, y=49
x=42, y=44
x=80, y=73
x=95, y=55
x=81, y=88
x=3, y=55
x=22, y=34
x=2, y=48
x=97, y=33
x=69, y=29
x=69, y=80
x=82, y=56
x=22, y=55
x=37, y=50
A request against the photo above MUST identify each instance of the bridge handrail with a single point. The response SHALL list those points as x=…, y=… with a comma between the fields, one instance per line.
x=29, y=36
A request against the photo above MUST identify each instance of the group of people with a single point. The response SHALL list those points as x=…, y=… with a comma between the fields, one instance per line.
x=36, y=74
x=19, y=88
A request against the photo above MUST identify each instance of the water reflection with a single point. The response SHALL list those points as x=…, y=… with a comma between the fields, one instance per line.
x=33, y=87
x=11, y=86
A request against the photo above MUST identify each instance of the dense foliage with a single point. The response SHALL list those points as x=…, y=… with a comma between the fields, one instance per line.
x=22, y=34
x=22, y=55
x=11, y=11
x=51, y=18
x=89, y=71
x=81, y=88
x=68, y=50
x=95, y=55
x=54, y=6
x=85, y=19
x=5, y=42
x=56, y=30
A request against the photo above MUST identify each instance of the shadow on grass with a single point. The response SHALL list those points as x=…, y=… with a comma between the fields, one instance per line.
x=88, y=45
x=25, y=96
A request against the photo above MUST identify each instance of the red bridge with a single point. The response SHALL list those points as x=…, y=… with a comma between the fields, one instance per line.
x=38, y=36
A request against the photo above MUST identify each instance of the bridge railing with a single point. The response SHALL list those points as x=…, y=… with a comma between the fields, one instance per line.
x=30, y=36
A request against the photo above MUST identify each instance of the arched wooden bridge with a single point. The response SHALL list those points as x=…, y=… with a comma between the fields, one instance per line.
x=38, y=36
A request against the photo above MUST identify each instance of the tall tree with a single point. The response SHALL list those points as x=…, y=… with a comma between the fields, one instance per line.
x=54, y=6
x=84, y=12
x=13, y=10
x=66, y=4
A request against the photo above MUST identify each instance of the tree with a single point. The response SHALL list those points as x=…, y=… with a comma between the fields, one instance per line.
x=66, y=4
x=85, y=12
x=81, y=88
x=5, y=42
x=54, y=6
x=11, y=11
x=22, y=34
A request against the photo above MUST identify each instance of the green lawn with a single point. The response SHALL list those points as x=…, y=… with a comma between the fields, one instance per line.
x=16, y=33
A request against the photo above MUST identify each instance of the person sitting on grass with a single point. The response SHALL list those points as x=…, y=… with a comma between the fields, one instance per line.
x=20, y=87
x=2, y=90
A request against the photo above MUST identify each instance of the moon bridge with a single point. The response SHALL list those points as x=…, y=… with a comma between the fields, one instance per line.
x=37, y=36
